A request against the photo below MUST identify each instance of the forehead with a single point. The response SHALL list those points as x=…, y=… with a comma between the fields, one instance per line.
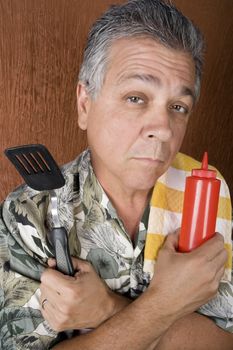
x=150, y=60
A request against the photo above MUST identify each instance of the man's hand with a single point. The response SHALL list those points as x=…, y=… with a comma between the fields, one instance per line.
x=82, y=301
x=185, y=281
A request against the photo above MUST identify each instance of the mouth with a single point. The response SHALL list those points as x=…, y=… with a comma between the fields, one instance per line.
x=150, y=160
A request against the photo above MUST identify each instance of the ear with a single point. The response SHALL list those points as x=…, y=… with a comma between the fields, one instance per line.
x=83, y=105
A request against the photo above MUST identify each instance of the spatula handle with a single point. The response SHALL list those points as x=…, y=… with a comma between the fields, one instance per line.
x=59, y=240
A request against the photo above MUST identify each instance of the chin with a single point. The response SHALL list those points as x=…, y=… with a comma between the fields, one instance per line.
x=142, y=178
x=143, y=184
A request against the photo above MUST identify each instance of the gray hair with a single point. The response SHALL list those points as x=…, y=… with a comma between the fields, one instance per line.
x=156, y=19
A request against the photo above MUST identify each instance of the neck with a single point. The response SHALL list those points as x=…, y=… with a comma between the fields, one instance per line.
x=128, y=200
x=130, y=206
x=126, y=197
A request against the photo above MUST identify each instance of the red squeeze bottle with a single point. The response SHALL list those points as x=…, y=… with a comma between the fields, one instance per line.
x=200, y=207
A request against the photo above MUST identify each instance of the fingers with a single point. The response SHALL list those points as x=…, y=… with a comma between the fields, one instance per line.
x=220, y=274
x=54, y=297
x=212, y=247
x=59, y=290
x=53, y=278
x=54, y=284
x=62, y=289
x=51, y=315
x=213, y=256
x=47, y=308
x=78, y=264
x=220, y=260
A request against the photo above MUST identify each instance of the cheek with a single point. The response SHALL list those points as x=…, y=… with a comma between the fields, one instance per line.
x=112, y=128
x=178, y=132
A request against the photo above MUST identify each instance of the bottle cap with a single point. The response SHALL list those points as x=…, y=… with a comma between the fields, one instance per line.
x=204, y=171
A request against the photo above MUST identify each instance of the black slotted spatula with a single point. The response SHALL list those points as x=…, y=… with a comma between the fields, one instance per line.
x=40, y=172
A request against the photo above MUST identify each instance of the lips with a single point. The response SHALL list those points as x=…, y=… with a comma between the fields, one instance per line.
x=157, y=152
x=149, y=159
x=150, y=156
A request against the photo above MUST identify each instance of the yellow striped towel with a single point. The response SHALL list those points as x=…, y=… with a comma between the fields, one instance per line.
x=166, y=211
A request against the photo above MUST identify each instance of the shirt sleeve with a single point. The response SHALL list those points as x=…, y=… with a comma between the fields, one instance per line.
x=23, y=256
x=220, y=309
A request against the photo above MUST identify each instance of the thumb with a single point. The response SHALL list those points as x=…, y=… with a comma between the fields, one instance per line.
x=172, y=240
x=80, y=265
x=52, y=263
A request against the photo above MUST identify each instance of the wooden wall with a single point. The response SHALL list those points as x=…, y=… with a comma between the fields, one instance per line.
x=211, y=125
x=41, y=44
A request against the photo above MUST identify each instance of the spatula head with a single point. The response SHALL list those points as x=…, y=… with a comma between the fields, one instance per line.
x=37, y=166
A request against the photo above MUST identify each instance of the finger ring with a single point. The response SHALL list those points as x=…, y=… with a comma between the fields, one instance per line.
x=43, y=303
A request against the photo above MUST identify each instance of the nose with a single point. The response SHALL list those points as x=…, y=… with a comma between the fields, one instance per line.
x=158, y=128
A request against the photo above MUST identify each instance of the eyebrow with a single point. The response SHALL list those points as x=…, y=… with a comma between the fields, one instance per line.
x=185, y=90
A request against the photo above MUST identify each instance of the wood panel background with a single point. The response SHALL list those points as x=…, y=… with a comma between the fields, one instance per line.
x=41, y=44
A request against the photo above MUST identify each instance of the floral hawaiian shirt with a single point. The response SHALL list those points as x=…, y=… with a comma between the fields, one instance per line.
x=95, y=234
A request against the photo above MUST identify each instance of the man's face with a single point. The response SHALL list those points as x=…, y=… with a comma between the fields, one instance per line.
x=136, y=124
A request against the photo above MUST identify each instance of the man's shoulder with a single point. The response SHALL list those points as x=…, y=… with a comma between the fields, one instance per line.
x=82, y=161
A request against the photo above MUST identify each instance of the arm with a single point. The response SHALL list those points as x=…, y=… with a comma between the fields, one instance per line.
x=195, y=332
x=128, y=329
x=195, y=276
x=190, y=332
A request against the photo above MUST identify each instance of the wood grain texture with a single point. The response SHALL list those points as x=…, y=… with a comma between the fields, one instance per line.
x=211, y=126
x=41, y=44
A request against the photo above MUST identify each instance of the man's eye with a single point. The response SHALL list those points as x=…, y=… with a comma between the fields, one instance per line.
x=135, y=99
x=180, y=109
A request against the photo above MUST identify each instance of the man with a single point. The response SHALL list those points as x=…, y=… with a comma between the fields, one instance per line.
x=139, y=82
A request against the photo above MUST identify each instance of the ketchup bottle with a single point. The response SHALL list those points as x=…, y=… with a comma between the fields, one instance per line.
x=200, y=207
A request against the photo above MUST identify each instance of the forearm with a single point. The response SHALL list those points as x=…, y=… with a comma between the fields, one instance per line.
x=117, y=304
x=195, y=332
x=137, y=326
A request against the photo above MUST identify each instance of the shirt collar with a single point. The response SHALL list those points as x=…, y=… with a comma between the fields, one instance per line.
x=87, y=177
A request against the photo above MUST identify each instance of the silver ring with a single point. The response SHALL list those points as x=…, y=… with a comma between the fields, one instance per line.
x=43, y=303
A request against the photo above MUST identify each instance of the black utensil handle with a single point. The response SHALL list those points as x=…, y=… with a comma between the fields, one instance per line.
x=59, y=240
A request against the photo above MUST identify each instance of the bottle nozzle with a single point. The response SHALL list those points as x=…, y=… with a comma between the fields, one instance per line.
x=204, y=171
x=205, y=161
